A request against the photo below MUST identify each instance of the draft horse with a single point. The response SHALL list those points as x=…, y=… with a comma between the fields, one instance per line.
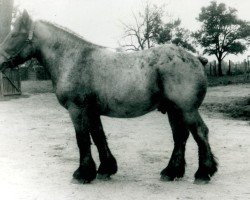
x=90, y=80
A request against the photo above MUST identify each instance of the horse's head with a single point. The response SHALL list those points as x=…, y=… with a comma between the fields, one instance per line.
x=17, y=47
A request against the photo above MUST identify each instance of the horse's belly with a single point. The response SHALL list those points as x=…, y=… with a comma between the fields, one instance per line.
x=127, y=110
x=132, y=106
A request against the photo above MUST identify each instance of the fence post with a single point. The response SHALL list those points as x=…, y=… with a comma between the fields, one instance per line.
x=229, y=68
x=214, y=69
x=245, y=66
x=210, y=69
x=1, y=84
x=248, y=64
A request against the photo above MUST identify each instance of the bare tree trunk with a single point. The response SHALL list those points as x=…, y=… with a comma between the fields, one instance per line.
x=6, y=8
x=220, y=67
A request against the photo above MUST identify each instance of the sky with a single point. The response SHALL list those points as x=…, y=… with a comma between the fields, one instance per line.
x=99, y=21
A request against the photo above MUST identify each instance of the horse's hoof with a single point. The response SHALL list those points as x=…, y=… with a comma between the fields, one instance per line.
x=80, y=181
x=201, y=181
x=167, y=178
x=108, y=168
x=172, y=173
x=80, y=178
x=201, y=177
x=84, y=176
x=103, y=177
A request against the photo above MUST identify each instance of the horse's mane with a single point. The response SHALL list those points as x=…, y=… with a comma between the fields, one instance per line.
x=69, y=32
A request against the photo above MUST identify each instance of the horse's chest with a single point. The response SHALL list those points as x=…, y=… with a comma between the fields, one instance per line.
x=71, y=91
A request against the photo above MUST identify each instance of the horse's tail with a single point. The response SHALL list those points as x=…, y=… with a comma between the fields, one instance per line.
x=203, y=60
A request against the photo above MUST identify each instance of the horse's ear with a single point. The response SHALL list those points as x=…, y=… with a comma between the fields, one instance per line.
x=26, y=18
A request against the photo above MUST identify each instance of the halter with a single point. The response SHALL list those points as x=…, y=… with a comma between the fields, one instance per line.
x=10, y=58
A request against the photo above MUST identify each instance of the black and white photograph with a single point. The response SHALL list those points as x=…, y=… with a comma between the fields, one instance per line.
x=124, y=99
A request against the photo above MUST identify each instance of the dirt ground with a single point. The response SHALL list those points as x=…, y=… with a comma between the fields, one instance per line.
x=38, y=154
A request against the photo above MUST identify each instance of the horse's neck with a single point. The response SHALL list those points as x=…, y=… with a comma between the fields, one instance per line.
x=54, y=45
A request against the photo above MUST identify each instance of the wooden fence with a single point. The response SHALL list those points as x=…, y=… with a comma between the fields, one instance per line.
x=228, y=68
x=10, y=83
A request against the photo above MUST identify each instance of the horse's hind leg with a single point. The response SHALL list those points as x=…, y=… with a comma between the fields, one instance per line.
x=176, y=165
x=199, y=130
x=108, y=165
x=87, y=169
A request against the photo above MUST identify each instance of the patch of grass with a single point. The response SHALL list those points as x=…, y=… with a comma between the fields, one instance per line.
x=227, y=80
x=239, y=109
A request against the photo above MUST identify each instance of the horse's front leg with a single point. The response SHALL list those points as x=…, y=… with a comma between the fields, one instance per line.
x=108, y=165
x=87, y=169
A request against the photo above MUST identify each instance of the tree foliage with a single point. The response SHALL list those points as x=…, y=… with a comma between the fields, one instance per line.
x=222, y=33
x=149, y=30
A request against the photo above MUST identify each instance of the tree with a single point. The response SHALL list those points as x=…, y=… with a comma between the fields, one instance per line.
x=149, y=30
x=222, y=33
x=6, y=8
x=139, y=35
x=172, y=32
